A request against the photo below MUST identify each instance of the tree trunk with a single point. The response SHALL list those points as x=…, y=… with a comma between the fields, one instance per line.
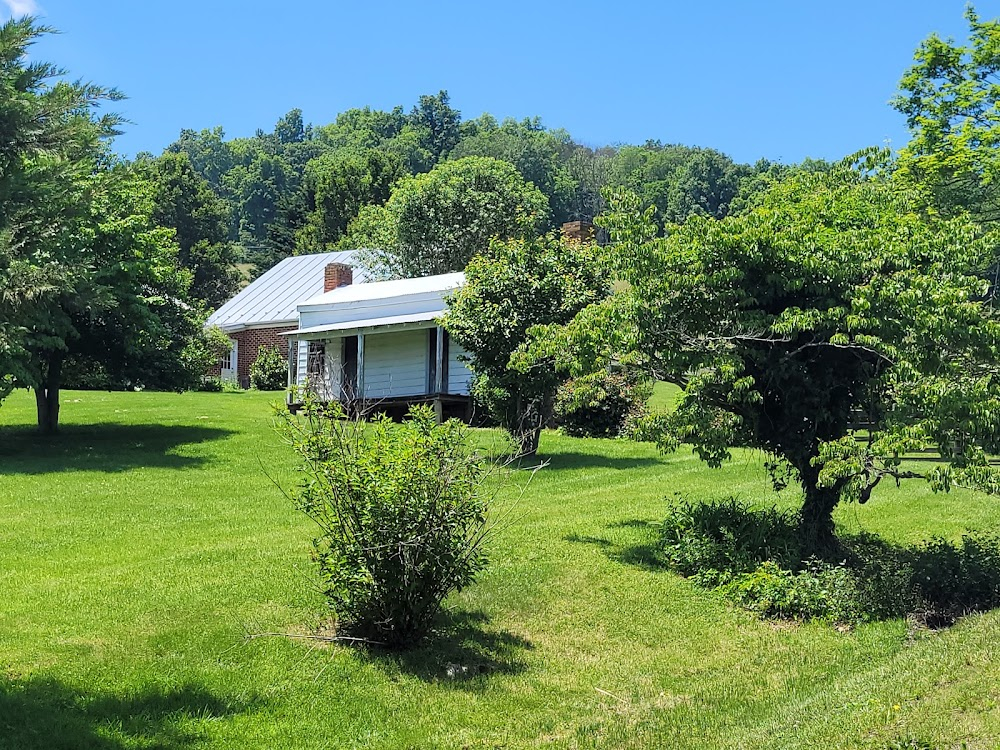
x=816, y=519
x=47, y=398
x=528, y=442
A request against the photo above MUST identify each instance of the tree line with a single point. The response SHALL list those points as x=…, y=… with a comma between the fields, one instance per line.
x=371, y=174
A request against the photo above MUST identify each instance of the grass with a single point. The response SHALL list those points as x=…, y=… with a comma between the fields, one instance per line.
x=140, y=546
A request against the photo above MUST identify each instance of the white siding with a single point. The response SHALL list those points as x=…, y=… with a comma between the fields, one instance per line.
x=396, y=364
x=302, y=369
x=459, y=375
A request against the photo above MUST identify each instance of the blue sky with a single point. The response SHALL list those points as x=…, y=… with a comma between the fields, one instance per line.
x=780, y=79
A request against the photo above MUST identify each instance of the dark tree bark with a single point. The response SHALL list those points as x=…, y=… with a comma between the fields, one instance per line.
x=816, y=529
x=47, y=397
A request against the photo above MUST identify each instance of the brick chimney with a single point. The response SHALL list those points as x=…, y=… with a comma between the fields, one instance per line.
x=337, y=275
x=578, y=231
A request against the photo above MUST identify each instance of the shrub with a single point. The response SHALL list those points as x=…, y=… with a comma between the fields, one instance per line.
x=211, y=384
x=753, y=557
x=819, y=591
x=716, y=540
x=951, y=580
x=270, y=371
x=402, y=511
x=602, y=404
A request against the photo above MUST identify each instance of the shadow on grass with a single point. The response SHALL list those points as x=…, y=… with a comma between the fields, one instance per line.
x=580, y=460
x=107, y=447
x=643, y=551
x=462, y=651
x=44, y=714
x=755, y=556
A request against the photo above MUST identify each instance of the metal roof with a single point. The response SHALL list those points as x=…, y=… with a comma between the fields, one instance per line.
x=381, y=290
x=272, y=298
x=354, y=326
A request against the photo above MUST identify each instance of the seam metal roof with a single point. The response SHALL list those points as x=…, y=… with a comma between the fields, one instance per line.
x=274, y=296
x=381, y=290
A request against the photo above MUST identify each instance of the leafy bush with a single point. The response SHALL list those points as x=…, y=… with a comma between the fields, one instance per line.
x=270, y=371
x=820, y=591
x=951, y=580
x=717, y=540
x=402, y=511
x=210, y=384
x=602, y=404
x=753, y=557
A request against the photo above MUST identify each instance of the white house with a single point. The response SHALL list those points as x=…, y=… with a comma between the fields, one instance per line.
x=378, y=346
x=266, y=308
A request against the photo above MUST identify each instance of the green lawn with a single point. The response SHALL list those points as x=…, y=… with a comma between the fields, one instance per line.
x=140, y=546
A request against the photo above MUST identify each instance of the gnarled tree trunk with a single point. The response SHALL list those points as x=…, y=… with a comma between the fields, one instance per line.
x=816, y=529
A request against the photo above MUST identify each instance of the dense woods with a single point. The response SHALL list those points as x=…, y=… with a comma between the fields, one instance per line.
x=302, y=188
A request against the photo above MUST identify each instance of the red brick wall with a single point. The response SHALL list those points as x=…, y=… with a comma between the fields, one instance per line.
x=250, y=341
x=336, y=275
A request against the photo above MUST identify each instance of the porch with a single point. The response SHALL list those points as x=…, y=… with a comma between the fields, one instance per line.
x=381, y=366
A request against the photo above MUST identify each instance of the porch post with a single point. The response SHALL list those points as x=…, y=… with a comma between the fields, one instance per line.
x=360, y=379
x=440, y=386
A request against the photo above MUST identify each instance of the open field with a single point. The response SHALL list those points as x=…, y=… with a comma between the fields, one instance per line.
x=140, y=546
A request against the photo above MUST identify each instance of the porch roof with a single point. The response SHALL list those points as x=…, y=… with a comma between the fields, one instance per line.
x=347, y=327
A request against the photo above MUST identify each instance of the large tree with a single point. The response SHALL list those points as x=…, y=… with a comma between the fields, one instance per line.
x=509, y=288
x=834, y=299
x=184, y=201
x=85, y=273
x=538, y=154
x=951, y=99
x=337, y=186
x=435, y=222
x=680, y=181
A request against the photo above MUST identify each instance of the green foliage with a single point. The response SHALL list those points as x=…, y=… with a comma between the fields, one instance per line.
x=679, y=181
x=820, y=591
x=833, y=296
x=537, y=153
x=402, y=511
x=714, y=541
x=953, y=580
x=434, y=223
x=603, y=404
x=755, y=557
x=338, y=185
x=89, y=280
x=509, y=288
x=950, y=99
x=270, y=370
x=184, y=202
x=436, y=124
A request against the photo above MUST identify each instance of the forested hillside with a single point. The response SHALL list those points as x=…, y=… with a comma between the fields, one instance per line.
x=300, y=188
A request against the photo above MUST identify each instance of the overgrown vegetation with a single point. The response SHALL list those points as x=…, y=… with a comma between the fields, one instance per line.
x=403, y=512
x=603, y=404
x=754, y=557
x=270, y=370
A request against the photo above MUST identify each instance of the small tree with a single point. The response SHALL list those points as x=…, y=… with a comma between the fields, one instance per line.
x=270, y=371
x=836, y=298
x=509, y=288
x=402, y=509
